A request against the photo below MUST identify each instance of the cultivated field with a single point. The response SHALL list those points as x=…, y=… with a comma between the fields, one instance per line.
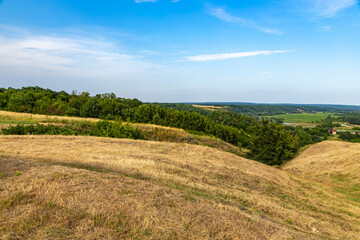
x=301, y=117
x=72, y=187
x=211, y=108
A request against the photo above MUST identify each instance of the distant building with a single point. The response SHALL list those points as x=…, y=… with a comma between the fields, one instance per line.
x=333, y=131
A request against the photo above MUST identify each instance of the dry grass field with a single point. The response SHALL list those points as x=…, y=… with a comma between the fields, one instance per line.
x=334, y=163
x=149, y=131
x=210, y=108
x=328, y=158
x=57, y=187
x=41, y=118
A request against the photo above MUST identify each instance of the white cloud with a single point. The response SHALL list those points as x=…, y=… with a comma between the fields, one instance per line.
x=223, y=15
x=224, y=56
x=53, y=52
x=325, y=28
x=328, y=8
x=80, y=60
x=45, y=57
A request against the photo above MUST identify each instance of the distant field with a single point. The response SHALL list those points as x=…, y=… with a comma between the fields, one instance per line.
x=301, y=117
x=210, y=108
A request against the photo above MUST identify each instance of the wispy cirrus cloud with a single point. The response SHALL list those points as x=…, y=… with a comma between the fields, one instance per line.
x=222, y=14
x=224, y=56
x=328, y=8
x=49, y=57
x=325, y=28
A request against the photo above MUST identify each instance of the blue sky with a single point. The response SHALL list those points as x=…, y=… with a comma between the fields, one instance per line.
x=288, y=51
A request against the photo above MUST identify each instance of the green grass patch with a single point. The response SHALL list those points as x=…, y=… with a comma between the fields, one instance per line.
x=7, y=122
x=14, y=200
x=125, y=192
x=301, y=117
x=339, y=177
x=352, y=192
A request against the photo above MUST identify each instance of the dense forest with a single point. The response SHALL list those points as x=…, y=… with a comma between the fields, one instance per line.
x=352, y=118
x=185, y=107
x=266, y=141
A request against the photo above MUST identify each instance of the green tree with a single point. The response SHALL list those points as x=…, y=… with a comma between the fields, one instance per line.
x=90, y=109
x=21, y=102
x=272, y=145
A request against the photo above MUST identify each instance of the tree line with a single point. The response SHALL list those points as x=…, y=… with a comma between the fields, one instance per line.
x=109, y=106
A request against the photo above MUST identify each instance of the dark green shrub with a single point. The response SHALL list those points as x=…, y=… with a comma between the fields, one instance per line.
x=100, y=129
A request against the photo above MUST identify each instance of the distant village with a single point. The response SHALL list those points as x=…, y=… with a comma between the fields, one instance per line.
x=334, y=131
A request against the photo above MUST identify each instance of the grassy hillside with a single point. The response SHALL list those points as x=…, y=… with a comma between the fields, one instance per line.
x=16, y=117
x=337, y=164
x=327, y=158
x=149, y=131
x=71, y=187
x=281, y=144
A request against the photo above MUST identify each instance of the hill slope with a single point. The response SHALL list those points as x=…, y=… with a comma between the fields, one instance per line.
x=149, y=131
x=328, y=158
x=56, y=186
x=336, y=165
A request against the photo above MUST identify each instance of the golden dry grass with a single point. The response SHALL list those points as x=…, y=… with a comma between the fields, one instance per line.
x=210, y=108
x=328, y=157
x=90, y=188
x=176, y=135
x=149, y=131
x=335, y=164
x=41, y=118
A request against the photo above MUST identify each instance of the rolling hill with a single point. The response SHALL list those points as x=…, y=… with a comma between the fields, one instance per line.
x=328, y=158
x=91, y=187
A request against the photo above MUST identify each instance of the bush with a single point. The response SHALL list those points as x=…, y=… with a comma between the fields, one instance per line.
x=116, y=130
x=100, y=129
x=349, y=137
